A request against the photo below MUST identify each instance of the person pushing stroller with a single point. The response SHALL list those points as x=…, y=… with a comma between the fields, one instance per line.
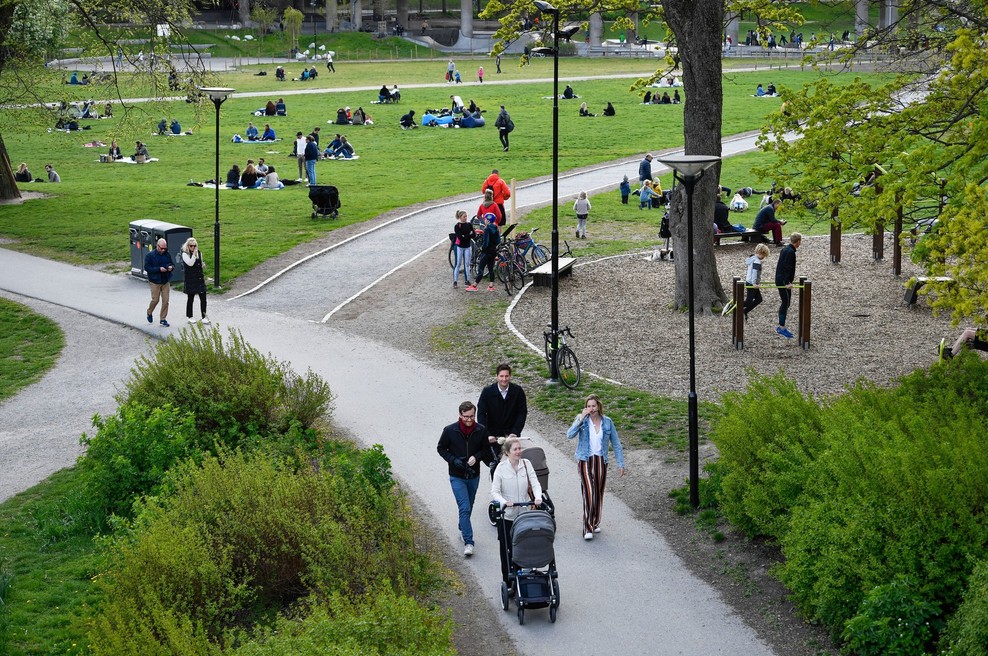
x=513, y=481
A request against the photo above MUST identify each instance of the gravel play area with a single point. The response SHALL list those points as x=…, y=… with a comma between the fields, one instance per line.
x=620, y=311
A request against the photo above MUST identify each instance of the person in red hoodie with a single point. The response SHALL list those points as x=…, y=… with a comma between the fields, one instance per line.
x=500, y=189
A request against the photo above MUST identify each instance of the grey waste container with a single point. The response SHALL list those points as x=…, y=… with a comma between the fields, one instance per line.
x=144, y=234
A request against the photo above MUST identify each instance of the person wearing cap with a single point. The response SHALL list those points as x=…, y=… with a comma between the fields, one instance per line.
x=499, y=189
x=488, y=251
x=645, y=169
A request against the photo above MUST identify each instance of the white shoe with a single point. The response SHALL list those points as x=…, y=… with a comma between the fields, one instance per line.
x=468, y=550
x=588, y=536
x=597, y=530
x=192, y=320
x=206, y=320
x=298, y=179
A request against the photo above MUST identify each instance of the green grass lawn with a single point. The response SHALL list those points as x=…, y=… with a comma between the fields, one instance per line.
x=85, y=218
x=29, y=346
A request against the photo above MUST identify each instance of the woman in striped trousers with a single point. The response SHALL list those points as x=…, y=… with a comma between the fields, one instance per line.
x=595, y=435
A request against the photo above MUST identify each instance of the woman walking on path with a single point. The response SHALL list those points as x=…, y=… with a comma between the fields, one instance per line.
x=462, y=240
x=195, y=280
x=595, y=434
x=513, y=479
x=582, y=209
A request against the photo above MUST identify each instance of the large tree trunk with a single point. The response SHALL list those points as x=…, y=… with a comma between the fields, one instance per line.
x=8, y=186
x=697, y=25
x=245, y=13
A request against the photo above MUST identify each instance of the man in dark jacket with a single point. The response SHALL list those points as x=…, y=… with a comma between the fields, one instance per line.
x=463, y=445
x=310, y=155
x=502, y=408
x=159, y=266
x=785, y=273
x=765, y=221
x=645, y=168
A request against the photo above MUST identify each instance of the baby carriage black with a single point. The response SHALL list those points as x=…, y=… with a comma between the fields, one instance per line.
x=531, y=563
x=325, y=201
x=536, y=456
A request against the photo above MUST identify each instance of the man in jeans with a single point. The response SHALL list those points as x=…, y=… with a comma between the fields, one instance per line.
x=159, y=266
x=463, y=445
x=785, y=273
x=311, y=151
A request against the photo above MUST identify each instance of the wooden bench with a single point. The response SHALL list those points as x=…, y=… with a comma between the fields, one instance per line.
x=749, y=235
x=912, y=291
x=542, y=275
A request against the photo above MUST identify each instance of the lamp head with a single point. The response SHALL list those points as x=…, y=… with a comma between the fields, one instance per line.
x=217, y=94
x=544, y=7
x=541, y=50
x=568, y=32
x=689, y=166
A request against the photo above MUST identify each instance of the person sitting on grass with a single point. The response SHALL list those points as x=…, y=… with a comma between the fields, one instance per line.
x=279, y=108
x=251, y=132
x=52, y=174
x=163, y=126
x=609, y=110
x=345, y=150
x=233, y=177
x=175, y=126
x=268, y=133
x=279, y=73
x=395, y=94
x=645, y=195
x=384, y=95
x=250, y=178
x=23, y=174
x=358, y=117
x=407, y=122
x=568, y=93
x=341, y=117
x=270, y=109
x=971, y=338
x=140, y=150
x=584, y=111
x=337, y=141
x=271, y=180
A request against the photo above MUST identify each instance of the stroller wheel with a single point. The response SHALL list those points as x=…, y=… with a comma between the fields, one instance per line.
x=521, y=615
x=492, y=514
x=552, y=614
x=555, y=593
x=314, y=215
x=504, y=596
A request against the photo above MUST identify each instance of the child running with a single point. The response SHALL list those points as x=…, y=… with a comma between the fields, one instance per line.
x=752, y=281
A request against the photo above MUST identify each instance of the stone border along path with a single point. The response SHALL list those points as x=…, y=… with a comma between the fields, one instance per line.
x=626, y=592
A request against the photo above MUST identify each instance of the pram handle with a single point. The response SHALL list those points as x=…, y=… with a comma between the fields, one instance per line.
x=520, y=504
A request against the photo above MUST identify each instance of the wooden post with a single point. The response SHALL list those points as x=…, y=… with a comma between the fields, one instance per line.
x=737, y=318
x=835, y=232
x=878, y=242
x=803, y=330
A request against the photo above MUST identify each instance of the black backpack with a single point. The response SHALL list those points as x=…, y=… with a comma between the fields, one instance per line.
x=664, y=231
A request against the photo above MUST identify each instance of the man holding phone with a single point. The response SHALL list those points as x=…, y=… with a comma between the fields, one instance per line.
x=159, y=266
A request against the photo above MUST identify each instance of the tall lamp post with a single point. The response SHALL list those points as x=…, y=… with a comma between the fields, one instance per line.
x=547, y=8
x=217, y=95
x=315, y=51
x=689, y=169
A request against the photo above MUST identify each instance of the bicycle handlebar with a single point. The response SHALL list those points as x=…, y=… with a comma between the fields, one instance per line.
x=562, y=331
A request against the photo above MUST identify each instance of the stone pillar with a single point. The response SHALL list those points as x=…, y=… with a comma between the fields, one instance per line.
x=860, y=17
x=332, y=16
x=403, y=13
x=466, y=18
x=596, y=29
x=356, y=14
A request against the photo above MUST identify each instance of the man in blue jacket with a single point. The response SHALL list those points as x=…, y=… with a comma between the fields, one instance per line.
x=645, y=168
x=159, y=266
x=311, y=155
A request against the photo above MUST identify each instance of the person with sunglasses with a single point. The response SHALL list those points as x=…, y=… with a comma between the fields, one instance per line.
x=195, y=279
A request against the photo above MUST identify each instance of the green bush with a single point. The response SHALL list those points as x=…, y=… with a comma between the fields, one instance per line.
x=893, y=620
x=229, y=386
x=967, y=631
x=130, y=453
x=243, y=536
x=381, y=623
x=768, y=437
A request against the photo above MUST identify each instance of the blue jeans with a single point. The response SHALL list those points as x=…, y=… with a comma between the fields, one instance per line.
x=462, y=259
x=310, y=170
x=465, y=491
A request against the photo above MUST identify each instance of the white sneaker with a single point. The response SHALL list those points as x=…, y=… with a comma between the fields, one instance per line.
x=588, y=536
x=298, y=179
x=206, y=320
x=597, y=530
x=192, y=320
x=468, y=550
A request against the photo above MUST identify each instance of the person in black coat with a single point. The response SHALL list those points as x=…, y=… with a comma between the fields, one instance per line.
x=502, y=408
x=195, y=279
x=463, y=445
x=785, y=273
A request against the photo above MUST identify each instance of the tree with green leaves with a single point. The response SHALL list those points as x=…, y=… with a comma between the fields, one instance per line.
x=914, y=148
x=32, y=33
x=697, y=27
x=292, y=20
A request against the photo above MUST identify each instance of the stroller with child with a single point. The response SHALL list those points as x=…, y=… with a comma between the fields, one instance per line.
x=531, y=562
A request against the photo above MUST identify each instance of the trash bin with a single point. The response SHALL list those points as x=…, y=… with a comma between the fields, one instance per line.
x=144, y=234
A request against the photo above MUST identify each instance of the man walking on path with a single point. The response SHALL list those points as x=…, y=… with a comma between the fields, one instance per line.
x=645, y=169
x=159, y=266
x=502, y=408
x=463, y=445
x=785, y=273
x=500, y=189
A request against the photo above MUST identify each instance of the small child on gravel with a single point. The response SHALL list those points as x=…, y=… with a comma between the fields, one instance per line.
x=752, y=280
x=582, y=209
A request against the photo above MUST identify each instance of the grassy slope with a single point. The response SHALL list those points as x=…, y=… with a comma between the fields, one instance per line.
x=29, y=347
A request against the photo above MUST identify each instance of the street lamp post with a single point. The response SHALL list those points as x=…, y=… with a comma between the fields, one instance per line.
x=217, y=95
x=315, y=51
x=689, y=169
x=545, y=7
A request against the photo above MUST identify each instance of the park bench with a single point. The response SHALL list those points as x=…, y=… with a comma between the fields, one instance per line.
x=749, y=235
x=542, y=274
x=912, y=289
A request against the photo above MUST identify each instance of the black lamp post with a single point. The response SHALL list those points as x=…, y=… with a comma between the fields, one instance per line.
x=545, y=7
x=688, y=169
x=217, y=95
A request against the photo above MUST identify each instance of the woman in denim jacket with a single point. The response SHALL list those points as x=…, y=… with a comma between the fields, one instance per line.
x=596, y=434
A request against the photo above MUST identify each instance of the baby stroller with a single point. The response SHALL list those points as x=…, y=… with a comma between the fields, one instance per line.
x=531, y=563
x=325, y=201
x=536, y=456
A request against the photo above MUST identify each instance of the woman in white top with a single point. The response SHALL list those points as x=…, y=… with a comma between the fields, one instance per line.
x=509, y=486
x=596, y=434
x=271, y=180
x=582, y=209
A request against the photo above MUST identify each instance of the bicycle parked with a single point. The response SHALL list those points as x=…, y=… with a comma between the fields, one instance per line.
x=567, y=364
x=510, y=265
x=534, y=254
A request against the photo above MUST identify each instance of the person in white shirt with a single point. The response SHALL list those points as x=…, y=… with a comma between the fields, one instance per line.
x=271, y=180
x=596, y=435
x=300, y=154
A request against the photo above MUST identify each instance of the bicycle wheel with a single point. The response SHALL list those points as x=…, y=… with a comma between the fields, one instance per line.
x=518, y=272
x=568, y=366
x=540, y=255
x=502, y=264
x=452, y=254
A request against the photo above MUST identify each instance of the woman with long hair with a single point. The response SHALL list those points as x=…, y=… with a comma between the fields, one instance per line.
x=595, y=434
x=513, y=479
x=195, y=279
